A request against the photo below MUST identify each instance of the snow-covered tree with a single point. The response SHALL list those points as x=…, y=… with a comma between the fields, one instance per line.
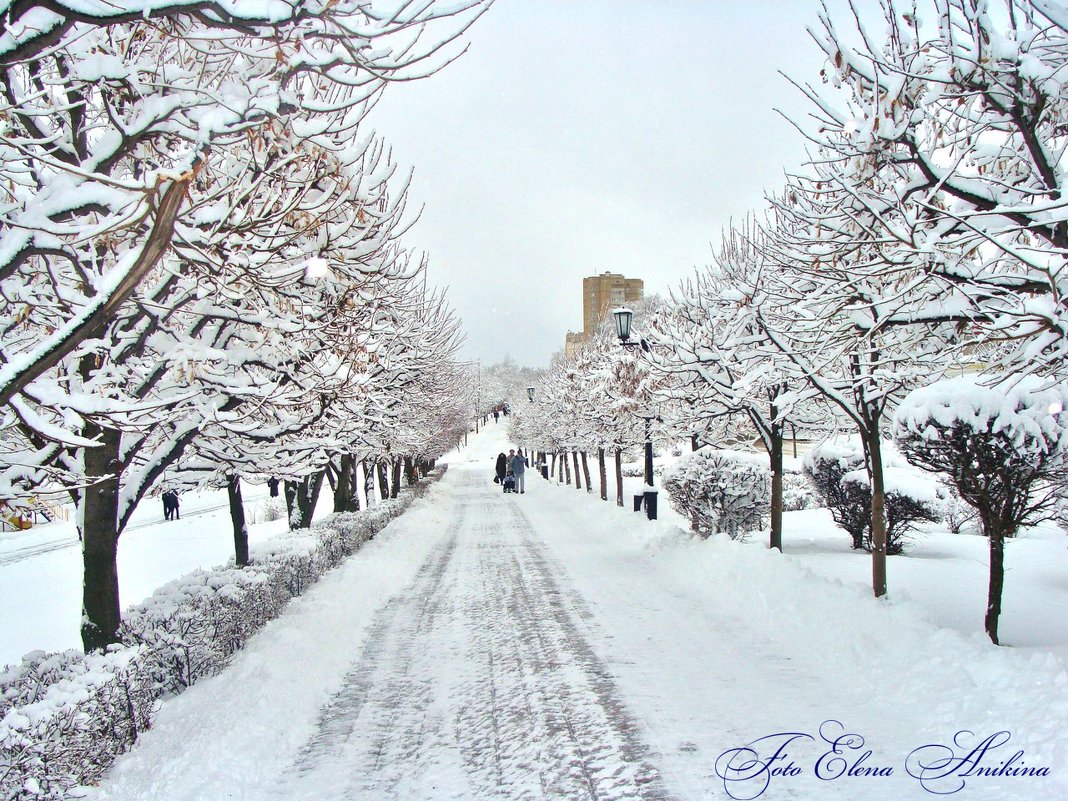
x=1003, y=447
x=175, y=178
x=962, y=103
x=722, y=365
x=111, y=112
x=846, y=305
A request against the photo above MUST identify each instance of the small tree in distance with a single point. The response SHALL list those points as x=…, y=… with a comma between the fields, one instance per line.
x=1003, y=448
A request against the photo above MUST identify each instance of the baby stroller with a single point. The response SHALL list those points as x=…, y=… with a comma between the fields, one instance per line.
x=509, y=483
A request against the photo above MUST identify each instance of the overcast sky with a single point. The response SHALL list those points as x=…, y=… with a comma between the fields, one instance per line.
x=583, y=136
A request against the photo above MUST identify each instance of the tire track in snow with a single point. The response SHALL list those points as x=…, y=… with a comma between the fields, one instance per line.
x=477, y=683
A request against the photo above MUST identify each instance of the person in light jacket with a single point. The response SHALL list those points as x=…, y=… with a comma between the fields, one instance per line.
x=518, y=464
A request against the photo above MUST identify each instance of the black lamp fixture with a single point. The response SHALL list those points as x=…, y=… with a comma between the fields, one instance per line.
x=624, y=317
x=530, y=393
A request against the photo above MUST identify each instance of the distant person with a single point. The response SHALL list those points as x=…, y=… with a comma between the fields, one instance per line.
x=170, y=505
x=518, y=463
x=497, y=419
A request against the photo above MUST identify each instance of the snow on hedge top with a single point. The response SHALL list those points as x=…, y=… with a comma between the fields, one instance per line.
x=1027, y=409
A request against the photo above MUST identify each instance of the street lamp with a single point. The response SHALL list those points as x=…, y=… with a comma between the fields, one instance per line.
x=530, y=393
x=624, y=317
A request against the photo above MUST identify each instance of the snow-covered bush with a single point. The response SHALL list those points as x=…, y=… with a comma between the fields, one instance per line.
x=798, y=492
x=1003, y=447
x=270, y=509
x=193, y=625
x=638, y=470
x=65, y=717
x=69, y=716
x=720, y=491
x=956, y=514
x=836, y=470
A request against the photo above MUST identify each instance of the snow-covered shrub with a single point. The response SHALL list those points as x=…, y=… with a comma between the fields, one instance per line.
x=28, y=680
x=836, y=470
x=956, y=514
x=85, y=711
x=193, y=625
x=826, y=465
x=720, y=491
x=638, y=470
x=798, y=492
x=267, y=510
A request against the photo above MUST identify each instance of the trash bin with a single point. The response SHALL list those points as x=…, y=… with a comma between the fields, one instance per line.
x=545, y=471
x=650, y=505
x=638, y=501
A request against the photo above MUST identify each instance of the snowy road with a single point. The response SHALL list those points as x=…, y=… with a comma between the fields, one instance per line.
x=524, y=710
x=550, y=646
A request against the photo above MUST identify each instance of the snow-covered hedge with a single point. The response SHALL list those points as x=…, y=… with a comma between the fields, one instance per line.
x=720, y=491
x=638, y=470
x=837, y=471
x=798, y=492
x=67, y=716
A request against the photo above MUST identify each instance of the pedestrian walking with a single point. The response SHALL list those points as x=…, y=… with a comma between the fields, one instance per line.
x=171, y=497
x=518, y=464
x=502, y=468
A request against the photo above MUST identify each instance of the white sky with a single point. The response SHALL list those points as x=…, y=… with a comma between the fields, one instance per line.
x=579, y=136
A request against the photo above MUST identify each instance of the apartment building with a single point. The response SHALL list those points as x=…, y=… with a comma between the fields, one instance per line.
x=600, y=294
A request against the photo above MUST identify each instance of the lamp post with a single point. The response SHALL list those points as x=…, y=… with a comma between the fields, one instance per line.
x=624, y=317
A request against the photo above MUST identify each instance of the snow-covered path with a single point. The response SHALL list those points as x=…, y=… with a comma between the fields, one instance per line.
x=550, y=646
x=477, y=683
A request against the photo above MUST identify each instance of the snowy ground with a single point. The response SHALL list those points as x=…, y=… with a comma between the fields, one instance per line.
x=40, y=569
x=553, y=646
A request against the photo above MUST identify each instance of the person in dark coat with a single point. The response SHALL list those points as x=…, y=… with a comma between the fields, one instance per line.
x=518, y=465
x=170, y=505
x=502, y=466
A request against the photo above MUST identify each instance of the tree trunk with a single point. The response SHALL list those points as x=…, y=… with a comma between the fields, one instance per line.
x=344, y=491
x=578, y=481
x=101, y=611
x=603, y=472
x=410, y=475
x=878, y=513
x=567, y=466
x=552, y=469
x=619, y=476
x=383, y=479
x=301, y=497
x=586, y=472
x=694, y=443
x=368, y=484
x=237, y=517
x=775, y=456
x=395, y=483
x=997, y=580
